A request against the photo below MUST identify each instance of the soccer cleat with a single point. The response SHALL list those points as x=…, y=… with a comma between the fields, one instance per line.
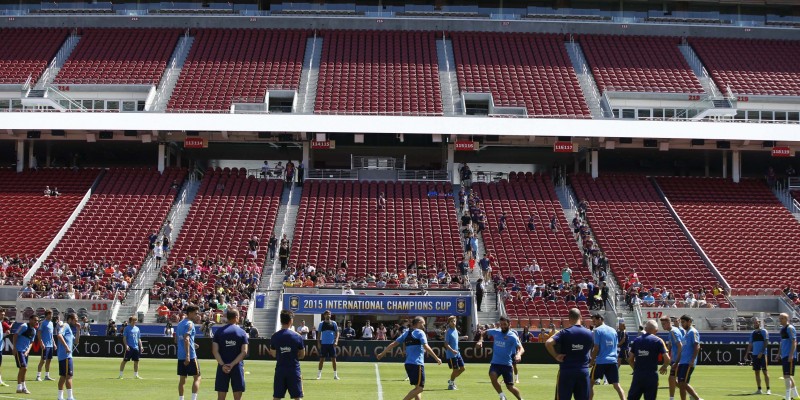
x=451, y=387
x=769, y=391
x=516, y=381
x=38, y=379
x=137, y=377
x=120, y=378
x=47, y=378
x=24, y=391
x=3, y=384
x=336, y=377
x=758, y=391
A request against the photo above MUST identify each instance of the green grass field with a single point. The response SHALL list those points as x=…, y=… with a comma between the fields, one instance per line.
x=96, y=378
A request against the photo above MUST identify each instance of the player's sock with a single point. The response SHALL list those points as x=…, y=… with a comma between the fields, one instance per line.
x=120, y=374
x=319, y=374
x=69, y=393
x=194, y=396
x=503, y=396
x=788, y=385
x=794, y=391
x=60, y=395
x=19, y=386
x=180, y=397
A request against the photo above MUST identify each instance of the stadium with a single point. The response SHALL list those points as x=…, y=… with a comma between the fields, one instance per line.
x=542, y=167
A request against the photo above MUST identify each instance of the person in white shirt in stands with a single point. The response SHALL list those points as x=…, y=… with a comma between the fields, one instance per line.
x=265, y=169
x=690, y=301
x=347, y=290
x=367, y=332
x=47, y=191
x=303, y=330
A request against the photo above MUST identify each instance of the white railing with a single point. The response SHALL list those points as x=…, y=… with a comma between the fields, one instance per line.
x=588, y=77
x=171, y=70
x=423, y=175
x=342, y=174
x=310, y=68
x=449, y=71
x=60, y=96
x=59, y=59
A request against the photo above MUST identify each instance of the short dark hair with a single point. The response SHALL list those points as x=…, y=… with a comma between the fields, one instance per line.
x=686, y=317
x=286, y=316
x=504, y=319
x=71, y=315
x=231, y=313
x=48, y=312
x=190, y=308
x=574, y=314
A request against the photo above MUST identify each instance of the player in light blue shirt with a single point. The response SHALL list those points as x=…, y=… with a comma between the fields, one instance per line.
x=22, y=342
x=604, y=356
x=187, y=358
x=65, y=339
x=674, y=344
x=454, y=359
x=45, y=337
x=506, y=350
x=788, y=354
x=757, y=348
x=416, y=343
x=687, y=358
x=327, y=340
x=132, y=341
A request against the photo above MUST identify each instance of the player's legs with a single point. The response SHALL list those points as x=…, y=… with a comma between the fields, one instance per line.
x=333, y=363
x=516, y=372
x=321, y=363
x=620, y=390
x=181, y=382
x=415, y=393
x=456, y=372
x=581, y=386
x=495, y=383
x=196, y=384
x=513, y=389
x=122, y=367
x=223, y=395
x=136, y=368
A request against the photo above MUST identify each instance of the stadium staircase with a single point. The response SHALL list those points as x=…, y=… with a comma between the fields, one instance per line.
x=137, y=299
x=170, y=77
x=265, y=319
x=448, y=79
x=594, y=98
x=307, y=91
x=719, y=100
x=58, y=61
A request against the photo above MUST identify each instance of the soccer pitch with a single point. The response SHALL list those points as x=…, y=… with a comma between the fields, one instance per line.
x=96, y=379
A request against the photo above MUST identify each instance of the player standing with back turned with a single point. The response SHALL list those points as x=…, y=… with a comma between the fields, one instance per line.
x=574, y=343
x=288, y=348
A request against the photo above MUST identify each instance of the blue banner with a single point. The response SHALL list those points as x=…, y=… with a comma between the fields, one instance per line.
x=394, y=305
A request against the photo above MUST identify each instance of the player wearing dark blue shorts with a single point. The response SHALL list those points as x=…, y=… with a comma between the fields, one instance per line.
x=622, y=341
x=229, y=347
x=674, y=344
x=687, y=359
x=506, y=349
x=574, y=345
x=604, y=356
x=65, y=339
x=644, y=355
x=187, y=356
x=288, y=348
x=416, y=343
x=788, y=352
x=47, y=340
x=757, y=348
x=454, y=359
x=327, y=340
x=23, y=340
x=132, y=340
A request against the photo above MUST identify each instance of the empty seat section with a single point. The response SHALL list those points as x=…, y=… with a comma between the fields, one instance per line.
x=748, y=66
x=378, y=72
x=636, y=231
x=119, y=56
x=26, y=52
x=520, y=70
x=517, y=248
x=639, y=64
x=743, y=228
x=238, y=65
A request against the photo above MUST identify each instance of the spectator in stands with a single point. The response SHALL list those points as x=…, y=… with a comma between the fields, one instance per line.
x=771, y=177
x=649, y=300
x=283, y=255
x=55, y=193
x=381, y=201
x=47, y=191
x=544, y=335
x=272, y=246
x=301, y=170
x=380, y=333
x=302, y=330
x=553, y=223
x=265, y=169
x=566, y=274
x=690, y=301
x=466, y=175
x=162, y=313
x=152, y=238
x=582, y=207
x=348, y=332
x=168, y=230
x=252, y=247
x=479, y=292
x=367, y=331
x=501, y=224
x=158, y=252
x=289, y=172
x=531, y=224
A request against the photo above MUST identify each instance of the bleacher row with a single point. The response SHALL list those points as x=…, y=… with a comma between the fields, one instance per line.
x=397, y=72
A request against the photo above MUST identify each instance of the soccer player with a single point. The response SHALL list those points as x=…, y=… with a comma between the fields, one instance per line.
x=574, y=344
x=230, y=348
x=622, y=341
x=453, y=355
x=65, y=339
x=2, y=340
x=45, y=337
x=757, y=348
x=687, y=358
x=507, y=349
x=416, y=343
x=674, y=345
x=788, y=354
x=327, y=340
x=604, y=356
x=133, y=347
x=22, y=342
x=643, y=357
x=288, y=348
x=187, y=357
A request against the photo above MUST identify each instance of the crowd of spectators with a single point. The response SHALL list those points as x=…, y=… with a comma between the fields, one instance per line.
x=14, y=268
x=98, y=280
x=413, y=276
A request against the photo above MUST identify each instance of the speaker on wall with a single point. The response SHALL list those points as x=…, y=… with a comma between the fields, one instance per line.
x=650, y=143
x=625, y=140
x=698, y=142
x=106, y=135
x=723, y=144
x=34, y=134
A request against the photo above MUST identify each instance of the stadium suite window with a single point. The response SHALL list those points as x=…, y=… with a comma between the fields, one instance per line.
x=112, y=105
x=128, y=106
x=5, y=105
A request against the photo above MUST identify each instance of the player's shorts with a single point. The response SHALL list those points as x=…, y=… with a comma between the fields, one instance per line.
x=685, y=373
x=673, y=370
x=455, y=362
x=193, y=369
x=759, y=363
x=327, y=351
x=287, y=381
x=623, y=354
x=610, y=371
x=573, y=383
x=788, y=366
x=132, y=354
x=21, y=359
x=47, y=353
x=65, y=367
x=506, y=371
x=234, y=379
x=646, y=386
x=416, y=374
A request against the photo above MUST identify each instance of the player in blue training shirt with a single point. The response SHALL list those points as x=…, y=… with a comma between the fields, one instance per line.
x=46, y=338
x=65, y=339
x=788, y=354
x=757, y=348
x=454, y=360
x=132, y=340
x=623, y=341
x=187, y=357
x=288, y=348
x=507, y=349
x=674, y=344
x=687, y=358
x=604, y=356
x=643, y=357
x=574, y=345
x=327, y=340
x=22, y=342
x=416, y=343
x=229, y=347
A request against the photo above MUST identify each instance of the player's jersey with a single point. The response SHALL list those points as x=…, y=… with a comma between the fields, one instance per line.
x=132, y=335
x=327, y=332
x=759, y=339
x=46, y=327
x=623, y=340
x=788, y=337
x=691, y=339
x=505, y=346
x=451, y=336
x=414, y=341
x=675, y=339
x=185, y=327
x=575, y=343
x=646, y=351
x=229, y=340
x=606, y=339
x=287, y=343
x=65, y=332
x=25, y=336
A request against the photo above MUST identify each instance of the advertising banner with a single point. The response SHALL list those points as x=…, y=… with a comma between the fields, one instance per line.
x=395, y=305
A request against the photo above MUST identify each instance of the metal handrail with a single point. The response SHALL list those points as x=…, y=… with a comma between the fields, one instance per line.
x=75, y=105
x=160, y=91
